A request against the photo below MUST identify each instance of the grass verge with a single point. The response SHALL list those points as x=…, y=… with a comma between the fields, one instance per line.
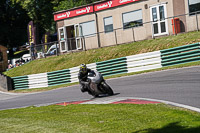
x=112, y=118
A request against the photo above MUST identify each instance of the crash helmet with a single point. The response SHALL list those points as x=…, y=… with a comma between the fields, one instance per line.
x=83, y=68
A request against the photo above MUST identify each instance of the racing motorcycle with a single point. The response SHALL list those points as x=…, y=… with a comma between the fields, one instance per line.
x=97, y=85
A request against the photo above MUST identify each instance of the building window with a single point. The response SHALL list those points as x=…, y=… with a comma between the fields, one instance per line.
x=88, y=28
x=194, y=6
x=108, y=24
x=158, y=20
x=132, y=19
x=61, y=34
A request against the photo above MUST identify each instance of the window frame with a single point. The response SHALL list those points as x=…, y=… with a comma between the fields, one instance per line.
x=62, y=40
x=140, y=25
x=158, y=21
x=105, y=25
x=88, y=35
x=192, y=13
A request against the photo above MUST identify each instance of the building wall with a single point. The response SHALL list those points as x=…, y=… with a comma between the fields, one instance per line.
x=90, y=41
x=60, y=24
x=191, y=20
x=137, y=33
x=179, y=9
x=120, y=35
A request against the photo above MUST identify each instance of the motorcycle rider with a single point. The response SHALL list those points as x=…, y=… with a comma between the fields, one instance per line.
x=82, y=76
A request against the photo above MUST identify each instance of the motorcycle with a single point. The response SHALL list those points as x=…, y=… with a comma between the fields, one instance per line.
x=97, y=85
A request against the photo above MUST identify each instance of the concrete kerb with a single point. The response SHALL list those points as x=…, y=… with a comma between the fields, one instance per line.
x=173, y=104
x=111, y=100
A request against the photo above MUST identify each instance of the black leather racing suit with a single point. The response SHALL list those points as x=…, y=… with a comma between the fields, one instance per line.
x=83, y=79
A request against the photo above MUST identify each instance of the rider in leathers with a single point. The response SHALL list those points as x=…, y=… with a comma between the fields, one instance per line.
x=82, y=76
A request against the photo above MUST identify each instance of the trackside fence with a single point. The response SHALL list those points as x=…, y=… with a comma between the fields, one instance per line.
x=58, y=77
x=180, y=55
x=141, y=62
x=112, y=67
x=128, y=64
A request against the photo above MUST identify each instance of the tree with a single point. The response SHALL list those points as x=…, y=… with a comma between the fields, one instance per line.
x=41, y=12
x=16, y=14
x=68, y=4
x=13, y=21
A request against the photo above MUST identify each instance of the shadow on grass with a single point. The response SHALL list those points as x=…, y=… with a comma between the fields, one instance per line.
x=172, y=128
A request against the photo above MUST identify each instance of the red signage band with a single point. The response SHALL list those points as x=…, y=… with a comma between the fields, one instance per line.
x=90, y=9
x=73, y=13
x=111, y=3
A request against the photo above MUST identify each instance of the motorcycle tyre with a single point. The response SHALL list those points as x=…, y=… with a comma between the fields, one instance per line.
x=107, y=89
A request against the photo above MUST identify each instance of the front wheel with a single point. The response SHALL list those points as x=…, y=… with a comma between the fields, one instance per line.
x=107, y=88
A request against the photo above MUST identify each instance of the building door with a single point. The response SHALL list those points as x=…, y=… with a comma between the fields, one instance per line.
x=78, y=36
x=62, y=39
x=159, y=23
x=71, y=41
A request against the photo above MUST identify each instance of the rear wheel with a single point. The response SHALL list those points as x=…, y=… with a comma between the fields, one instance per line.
x=107, y=88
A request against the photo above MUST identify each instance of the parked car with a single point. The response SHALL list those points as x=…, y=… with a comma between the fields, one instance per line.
x=26, y=57
x=52, y=50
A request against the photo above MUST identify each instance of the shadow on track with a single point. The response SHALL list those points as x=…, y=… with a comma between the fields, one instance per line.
x=105, y=95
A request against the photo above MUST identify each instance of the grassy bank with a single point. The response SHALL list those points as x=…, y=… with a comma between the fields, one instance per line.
x=123, y=118
x=91, y=56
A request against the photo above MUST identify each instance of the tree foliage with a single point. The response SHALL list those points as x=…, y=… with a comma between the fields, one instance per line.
x=15, y=15
x=68, y=4
x=13, y=20
x=40, y=11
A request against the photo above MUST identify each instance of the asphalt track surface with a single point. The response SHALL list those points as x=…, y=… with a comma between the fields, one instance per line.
x=180, y=86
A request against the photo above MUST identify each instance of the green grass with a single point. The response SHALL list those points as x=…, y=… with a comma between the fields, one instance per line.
x=112, y=118
x=96, y=55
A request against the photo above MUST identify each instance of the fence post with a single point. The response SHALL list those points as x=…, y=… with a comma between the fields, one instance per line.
x=43, y=51
x=70, y=43
x=197, y=22
x=56, y=49
x=115, y=37
x=30, y=51
x=133, y=34
x=152, y=28
x=84, y=43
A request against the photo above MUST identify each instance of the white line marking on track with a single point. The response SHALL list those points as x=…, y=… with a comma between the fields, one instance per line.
x=170, y=103
x=14, y=94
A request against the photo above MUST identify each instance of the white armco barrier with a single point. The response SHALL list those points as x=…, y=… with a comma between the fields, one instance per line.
x=38, y=80
x=92, y=66
x=74, y=74
x=134, y=63
x=146, y=61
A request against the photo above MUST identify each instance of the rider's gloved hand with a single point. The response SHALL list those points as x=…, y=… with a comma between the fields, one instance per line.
x=88, y=80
